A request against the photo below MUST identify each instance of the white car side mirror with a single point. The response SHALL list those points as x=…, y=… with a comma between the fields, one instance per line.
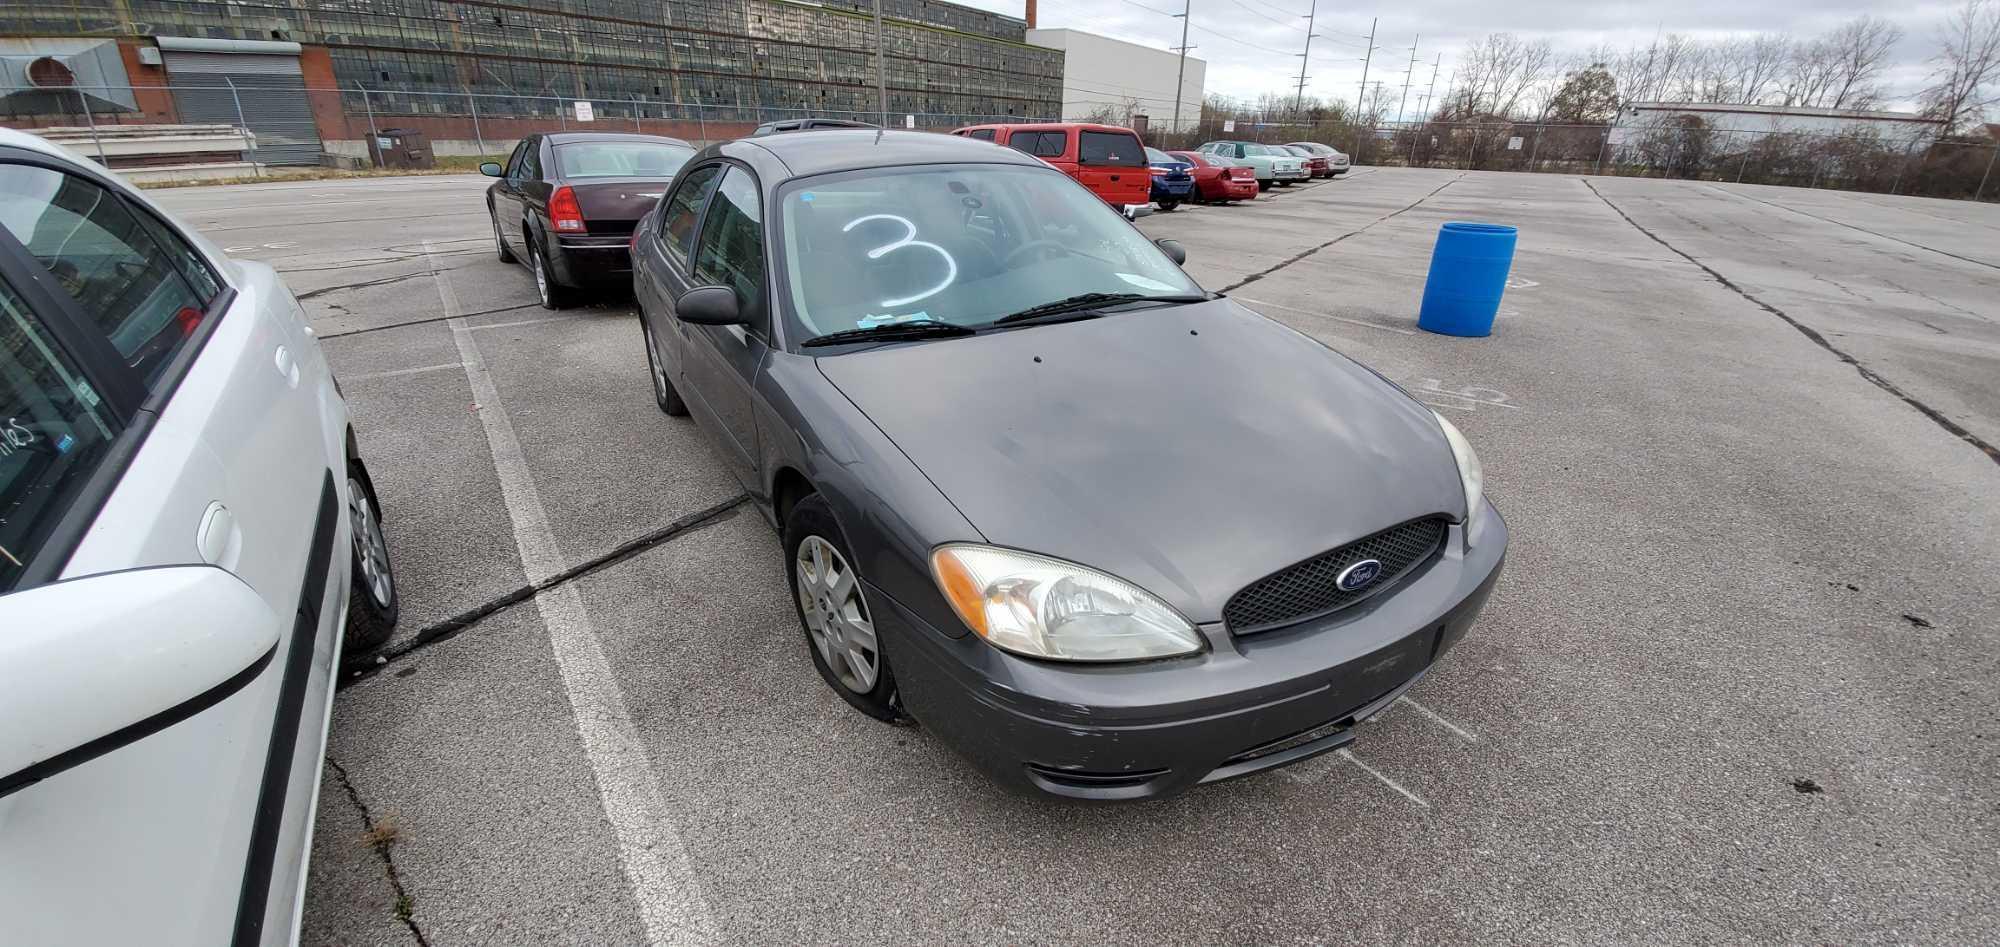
x=89, y=665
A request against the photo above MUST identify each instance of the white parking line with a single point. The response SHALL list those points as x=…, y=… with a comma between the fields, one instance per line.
x=650, y=849
x=405, y=371
x=1440, y=721
x=1386, y=781
x=523, y=322
x=1309, y=312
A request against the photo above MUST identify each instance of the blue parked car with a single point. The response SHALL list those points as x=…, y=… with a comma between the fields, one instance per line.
x=1173, y=179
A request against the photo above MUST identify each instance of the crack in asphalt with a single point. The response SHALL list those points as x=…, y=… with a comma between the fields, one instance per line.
x=405, y=904
x=322, y=223
x=1952, y=427
x=422, y=322
x=1363, y=229
x=1807, y=213
x=384, y=281
x=451, y=627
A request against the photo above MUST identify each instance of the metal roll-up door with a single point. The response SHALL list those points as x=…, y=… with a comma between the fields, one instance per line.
x=262, y=89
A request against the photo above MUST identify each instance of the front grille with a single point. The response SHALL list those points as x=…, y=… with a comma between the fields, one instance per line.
x=1307, y=590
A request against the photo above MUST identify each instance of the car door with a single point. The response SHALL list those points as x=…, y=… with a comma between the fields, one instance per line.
x=1113, y=165
x=722, y=361
x=188, y=834
x=532, y=189
x=506, y=197
x=664, y=269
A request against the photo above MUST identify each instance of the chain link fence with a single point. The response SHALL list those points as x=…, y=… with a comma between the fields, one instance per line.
x=334, y=126
x=1931, y=167
x=290, y=123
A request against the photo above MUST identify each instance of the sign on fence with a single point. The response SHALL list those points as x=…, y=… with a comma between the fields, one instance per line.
x=585, y=112
x=909, y=121
x=1228, y=125
x=1514, y=143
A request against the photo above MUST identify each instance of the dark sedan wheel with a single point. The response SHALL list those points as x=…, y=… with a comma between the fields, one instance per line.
x=664, y=394
x=1167, y=207
x=553, y=295
x=839, y=627
x=373, y=604
x=499, y=242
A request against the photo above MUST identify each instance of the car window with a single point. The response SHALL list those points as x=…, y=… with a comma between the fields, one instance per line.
x=983, y=134
x=620, y=159
x=127, y=281
x=53, y=432
x=514, y=159
x=683, y=210
x=732, y=240
x=962, y=244
x=531, y=162
x=1041, y=144
x=1156, y=156
x=1115, y=149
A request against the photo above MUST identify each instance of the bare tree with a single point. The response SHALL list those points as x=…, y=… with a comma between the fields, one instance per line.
x=1710, y=74
x=1756, y=62
x=1503, y=72
x=1809, y=73
x=1859, y=52
x=1967, y=67
x=1653, y=73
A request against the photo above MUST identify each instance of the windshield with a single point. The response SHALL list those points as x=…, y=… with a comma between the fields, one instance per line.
x=621, y=159
x=964, y=245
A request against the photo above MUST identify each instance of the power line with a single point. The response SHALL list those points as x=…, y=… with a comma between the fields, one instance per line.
x=1246, y=9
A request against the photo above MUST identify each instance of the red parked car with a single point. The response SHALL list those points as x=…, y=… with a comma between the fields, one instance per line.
x=1216, y=181
x=1109, y=160
x=1317, y=166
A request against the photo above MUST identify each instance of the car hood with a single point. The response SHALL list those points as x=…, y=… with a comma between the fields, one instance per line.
x=1189, y=449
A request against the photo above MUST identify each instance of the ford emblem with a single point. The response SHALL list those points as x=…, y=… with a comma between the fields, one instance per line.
x=1359, y=576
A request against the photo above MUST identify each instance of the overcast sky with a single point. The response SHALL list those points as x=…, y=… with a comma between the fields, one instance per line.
x=1256, y=49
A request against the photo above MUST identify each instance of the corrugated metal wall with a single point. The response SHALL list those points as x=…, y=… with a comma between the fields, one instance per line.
x=208, y=87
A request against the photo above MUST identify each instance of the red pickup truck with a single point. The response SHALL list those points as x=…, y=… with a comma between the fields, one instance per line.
x=1109, y=160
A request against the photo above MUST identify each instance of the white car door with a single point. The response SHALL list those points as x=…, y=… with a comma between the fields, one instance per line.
x=218, y=442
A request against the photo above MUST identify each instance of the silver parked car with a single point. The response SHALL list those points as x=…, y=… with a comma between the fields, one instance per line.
x=1336, y=160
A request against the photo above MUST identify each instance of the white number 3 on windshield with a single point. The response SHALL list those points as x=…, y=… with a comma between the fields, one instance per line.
x=908, y=240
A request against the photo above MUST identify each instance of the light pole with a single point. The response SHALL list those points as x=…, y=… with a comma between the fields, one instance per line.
x=1180, y=79
x=881, y=70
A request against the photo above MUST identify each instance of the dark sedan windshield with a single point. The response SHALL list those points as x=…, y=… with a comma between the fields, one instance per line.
x=964, y=245
x=620, y=159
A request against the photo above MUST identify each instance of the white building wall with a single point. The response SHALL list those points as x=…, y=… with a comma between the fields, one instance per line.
x=1129, y=79
x=1749, y=122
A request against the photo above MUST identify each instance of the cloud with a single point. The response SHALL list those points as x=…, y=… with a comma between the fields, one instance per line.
x=1251, y=46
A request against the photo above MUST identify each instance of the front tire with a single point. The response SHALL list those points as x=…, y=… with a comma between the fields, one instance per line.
x=373, y=604
x=833, y=611
x=1167, y=207
x=664, y=393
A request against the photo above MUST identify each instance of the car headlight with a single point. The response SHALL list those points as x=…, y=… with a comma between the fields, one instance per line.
x=1047, y=608
x=1470, y=474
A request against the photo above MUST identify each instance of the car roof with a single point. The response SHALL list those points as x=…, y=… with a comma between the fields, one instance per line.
x=847, y=149
x=566, y=138
x=1054, y=127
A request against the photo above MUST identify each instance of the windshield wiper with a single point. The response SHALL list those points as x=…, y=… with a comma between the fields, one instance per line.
x=891, y=331
x=1086, y=301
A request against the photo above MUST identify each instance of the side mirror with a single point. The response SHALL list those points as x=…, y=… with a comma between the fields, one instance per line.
x=1173, y=250
x=92, y=664
x=710, y=306
x=490, y=168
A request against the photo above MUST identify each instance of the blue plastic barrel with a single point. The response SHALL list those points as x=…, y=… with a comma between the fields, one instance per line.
x=1468, y=273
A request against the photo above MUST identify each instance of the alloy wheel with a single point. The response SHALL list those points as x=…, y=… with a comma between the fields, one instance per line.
x=541, y=274
x=836, y=615
x=659, y=372
x=371, y=551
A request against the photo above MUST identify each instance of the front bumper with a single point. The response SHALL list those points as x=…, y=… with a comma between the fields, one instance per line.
x=1300, y=174
x=1248, y=704
x=589, y=260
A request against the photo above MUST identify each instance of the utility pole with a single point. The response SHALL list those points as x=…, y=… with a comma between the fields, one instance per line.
x=1180, y=79
x=1424, y=104
x=1408, y=74
x=1361, y=98
x=881, y=70
x=1298, y=102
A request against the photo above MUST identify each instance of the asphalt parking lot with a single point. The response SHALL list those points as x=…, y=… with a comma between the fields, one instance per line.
x=1736, y=685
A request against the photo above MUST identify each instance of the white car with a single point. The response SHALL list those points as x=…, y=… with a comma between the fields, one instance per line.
x=185, y=525
x=1274, y=165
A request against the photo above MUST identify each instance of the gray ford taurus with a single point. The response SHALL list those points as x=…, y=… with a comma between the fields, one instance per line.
x=1108, y=534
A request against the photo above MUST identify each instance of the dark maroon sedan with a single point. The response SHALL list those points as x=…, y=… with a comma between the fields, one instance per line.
x=567, y=204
